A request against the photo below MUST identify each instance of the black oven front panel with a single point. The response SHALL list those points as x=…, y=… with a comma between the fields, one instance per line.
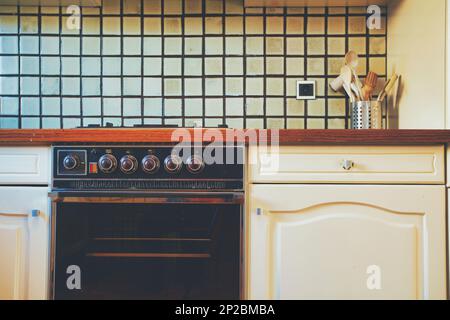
x=147, y=251
x=147, y=168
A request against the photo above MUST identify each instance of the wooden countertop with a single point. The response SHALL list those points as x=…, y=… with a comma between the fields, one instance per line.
x=286, y=137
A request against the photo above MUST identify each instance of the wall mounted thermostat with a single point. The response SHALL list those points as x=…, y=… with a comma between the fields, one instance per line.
x=306, y=90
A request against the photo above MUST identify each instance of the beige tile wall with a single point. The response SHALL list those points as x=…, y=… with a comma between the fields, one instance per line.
x=179, y=62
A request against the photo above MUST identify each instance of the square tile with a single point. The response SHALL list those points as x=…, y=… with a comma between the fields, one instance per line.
x=29, y=44
x=91, y=25
x=9, y=64
x=29, y=65
x=255, y=66
x=214, y=107
x=336, y=25
x=131, y=66
x=112, y=86
x=193, y=87
x=213, y=66
x=9, y=106
x=254, y=106
x=29, y=24
x=71, y=106
x=30, y=106
x=295, y=25
x=8, y=24
x=275, y=65
x=50, y=65
x=213, y=25
x=316, y=25
x=213, y=46
x=152, y=87
x=172, y=87
x=234, y=45
x=70, y=66
x=254, y=25
x=274, y=45
x=234, y=66
x=193, y=107
x=152, y=66
x=131, y=25
x=91, y=66
x=49, y=45
x=213, y=86
x=70, y=46
x=234, y=86
x=234, y=25
x=91, y=45
x=234, y=106
x=254, y=45
x=172, y=66
x=71, y=86
x=173, y=46
x=111, y=45
x=131, y=46
x=172, y=26
x=152, y=46
x=9, y=44
x=51, y=106
x=193, y=25
x=153, y=107
x=152, y=25
x=50, y=86
x=111, y=25
x=131, y=107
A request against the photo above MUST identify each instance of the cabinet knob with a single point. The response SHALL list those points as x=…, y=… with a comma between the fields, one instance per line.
x=347, y=164
x=259, y=211
x=35, y=213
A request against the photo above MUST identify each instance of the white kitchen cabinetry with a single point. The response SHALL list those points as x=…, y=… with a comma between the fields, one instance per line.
x=355, y=164
x=347, y=242
x=24, y=166
x=24, y=238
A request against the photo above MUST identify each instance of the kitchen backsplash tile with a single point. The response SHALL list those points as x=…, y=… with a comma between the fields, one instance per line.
x=179, y=62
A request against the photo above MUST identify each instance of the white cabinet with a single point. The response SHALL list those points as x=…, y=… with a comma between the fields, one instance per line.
x=24, y=165
x=346, y=242
x=24, y=238
x=325, y=164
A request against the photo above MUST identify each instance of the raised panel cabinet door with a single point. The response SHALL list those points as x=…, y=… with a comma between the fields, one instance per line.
x=24, y=165
x=346, y=242
x=24, y=242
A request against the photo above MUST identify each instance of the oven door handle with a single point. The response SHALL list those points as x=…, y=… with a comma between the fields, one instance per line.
x=149, y=197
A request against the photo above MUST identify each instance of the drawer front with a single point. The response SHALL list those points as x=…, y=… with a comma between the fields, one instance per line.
x=348, y=164
x=24, y=165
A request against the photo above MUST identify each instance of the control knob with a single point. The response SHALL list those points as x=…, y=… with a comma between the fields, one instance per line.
x=150, y=164
x=128, y=164
x=71, y=162
x=173, y=163
x=195, y=164
x=107, y=163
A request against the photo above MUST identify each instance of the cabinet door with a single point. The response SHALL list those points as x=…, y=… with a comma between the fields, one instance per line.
x=24, y=242
x=347, y=242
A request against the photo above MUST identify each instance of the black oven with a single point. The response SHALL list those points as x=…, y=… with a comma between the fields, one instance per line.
x=137, y=243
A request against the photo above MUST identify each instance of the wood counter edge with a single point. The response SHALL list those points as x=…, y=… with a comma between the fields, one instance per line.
x=248, y=136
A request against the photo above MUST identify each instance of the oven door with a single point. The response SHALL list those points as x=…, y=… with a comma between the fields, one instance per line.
x=147, y=245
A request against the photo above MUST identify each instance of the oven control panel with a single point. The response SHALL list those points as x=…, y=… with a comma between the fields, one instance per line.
x=146, y=167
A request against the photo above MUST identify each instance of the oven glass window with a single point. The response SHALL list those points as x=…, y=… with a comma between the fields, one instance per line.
x=147, y=251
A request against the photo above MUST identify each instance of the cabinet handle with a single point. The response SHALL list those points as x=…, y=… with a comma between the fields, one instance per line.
x=34, y=213
x=347, y=165
x=259, y=211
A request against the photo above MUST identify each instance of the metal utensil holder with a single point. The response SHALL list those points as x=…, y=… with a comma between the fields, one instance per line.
x=366, y=115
